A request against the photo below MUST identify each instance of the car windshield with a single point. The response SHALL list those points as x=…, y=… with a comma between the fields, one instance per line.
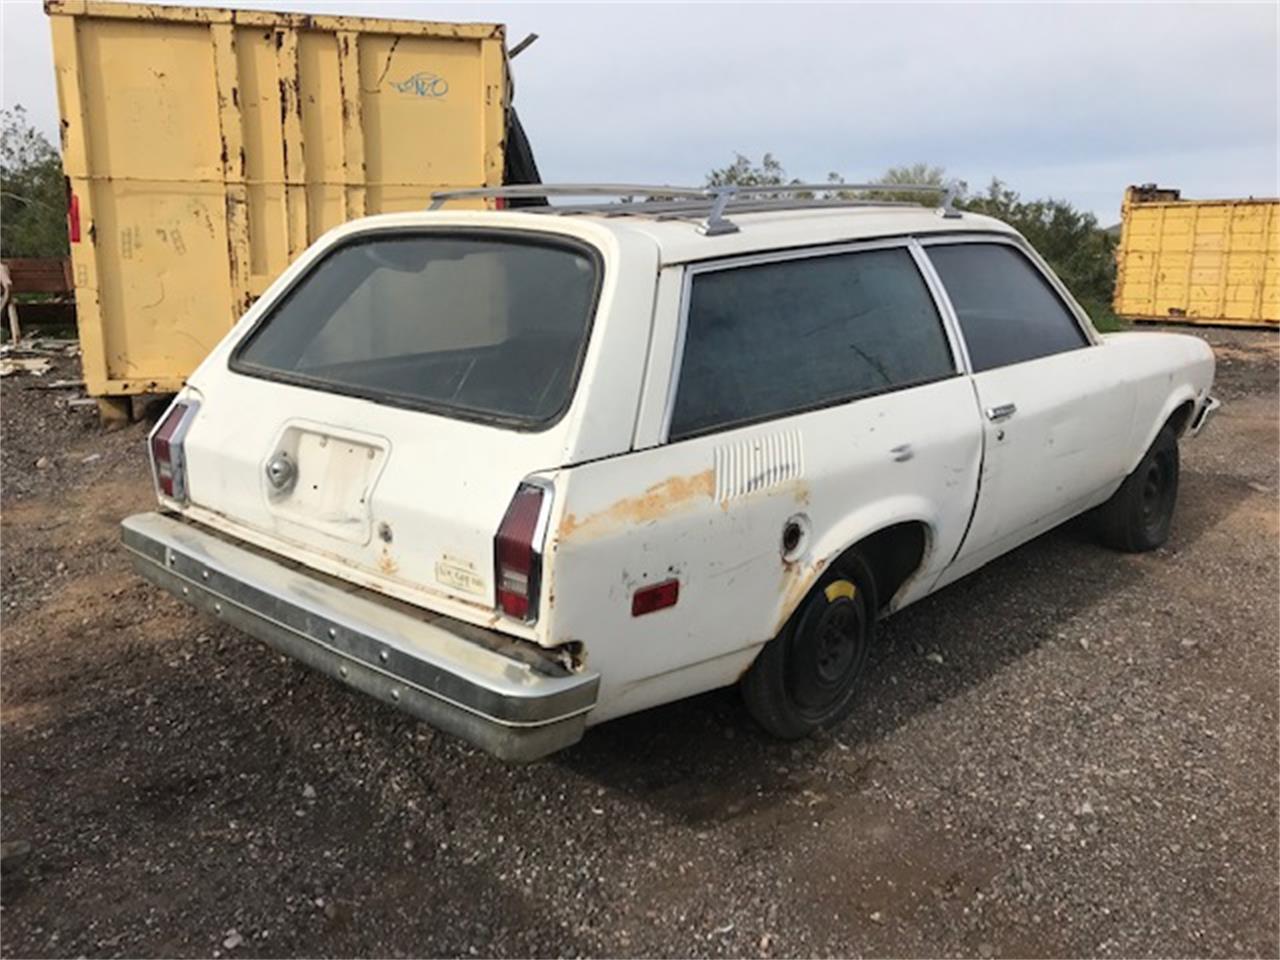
x=484, y=325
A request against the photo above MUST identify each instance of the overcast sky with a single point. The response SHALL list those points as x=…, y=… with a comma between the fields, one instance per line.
x=1068, y=100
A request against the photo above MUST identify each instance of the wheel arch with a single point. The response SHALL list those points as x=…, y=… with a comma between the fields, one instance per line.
x=896, y=538
x=1177, y=410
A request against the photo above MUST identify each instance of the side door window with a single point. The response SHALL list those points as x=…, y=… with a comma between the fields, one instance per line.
x=771, y=339
x=1006, y=308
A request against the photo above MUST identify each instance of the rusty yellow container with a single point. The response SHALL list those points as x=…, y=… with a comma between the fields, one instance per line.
x=1198, y=261
x=205, y=148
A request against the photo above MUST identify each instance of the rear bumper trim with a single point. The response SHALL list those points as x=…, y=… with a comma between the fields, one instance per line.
x=456, y=676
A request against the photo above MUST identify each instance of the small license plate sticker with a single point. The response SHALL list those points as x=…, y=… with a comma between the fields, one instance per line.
x=459, y=576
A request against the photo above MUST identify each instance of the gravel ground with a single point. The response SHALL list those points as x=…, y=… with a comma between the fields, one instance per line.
x=1071, y=752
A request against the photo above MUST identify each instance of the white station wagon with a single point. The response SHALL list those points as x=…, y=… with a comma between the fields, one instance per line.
x=519, y=471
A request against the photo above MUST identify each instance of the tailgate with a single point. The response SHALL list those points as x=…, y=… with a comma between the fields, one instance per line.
x=400, y=500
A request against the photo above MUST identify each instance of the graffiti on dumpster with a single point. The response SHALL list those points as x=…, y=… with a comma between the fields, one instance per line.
x=423, y=84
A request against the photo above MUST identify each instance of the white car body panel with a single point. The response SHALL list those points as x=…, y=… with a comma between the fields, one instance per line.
x=420, y=495
x=1061, y=452
x=710, y=511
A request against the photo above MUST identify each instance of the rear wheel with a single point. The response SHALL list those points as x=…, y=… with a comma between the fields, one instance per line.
x=806, y=678
x=1138, y=516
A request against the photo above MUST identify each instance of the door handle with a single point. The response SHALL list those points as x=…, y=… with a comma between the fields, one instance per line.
x=1002, y=412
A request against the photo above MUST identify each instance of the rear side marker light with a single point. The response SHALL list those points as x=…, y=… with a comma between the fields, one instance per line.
x=517, y=552
x=657, y=597
x=168, y=463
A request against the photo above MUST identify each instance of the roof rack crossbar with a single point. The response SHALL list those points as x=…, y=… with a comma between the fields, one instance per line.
x=718, y=198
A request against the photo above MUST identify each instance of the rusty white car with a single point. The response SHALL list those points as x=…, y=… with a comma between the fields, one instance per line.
x=519, y=471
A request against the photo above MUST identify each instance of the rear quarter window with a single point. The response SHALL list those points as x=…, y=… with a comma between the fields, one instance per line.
x=482, y=326
x=765, y=340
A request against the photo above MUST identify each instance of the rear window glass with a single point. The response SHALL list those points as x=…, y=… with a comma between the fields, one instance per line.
x=483, y=326
x=763, y=341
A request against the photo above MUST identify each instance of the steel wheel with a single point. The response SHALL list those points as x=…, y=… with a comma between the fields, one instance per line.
x=807, y=676
x=827, y=651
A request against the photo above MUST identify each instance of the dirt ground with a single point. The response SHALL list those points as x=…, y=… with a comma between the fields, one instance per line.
x=1071, y=752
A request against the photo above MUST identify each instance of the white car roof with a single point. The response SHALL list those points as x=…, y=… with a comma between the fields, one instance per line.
x=679, y=240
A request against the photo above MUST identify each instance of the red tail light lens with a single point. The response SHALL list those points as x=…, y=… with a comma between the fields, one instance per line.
x=167, y=460
x=517, y=551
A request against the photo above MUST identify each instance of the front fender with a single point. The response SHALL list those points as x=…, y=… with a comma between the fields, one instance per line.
x=1165, y=370
x=1181, y=394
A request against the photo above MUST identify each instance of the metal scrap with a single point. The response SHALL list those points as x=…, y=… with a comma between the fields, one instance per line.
x=36, y=366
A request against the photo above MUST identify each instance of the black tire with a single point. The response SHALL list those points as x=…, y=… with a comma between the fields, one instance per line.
x=806, y=677
x=1138, y=516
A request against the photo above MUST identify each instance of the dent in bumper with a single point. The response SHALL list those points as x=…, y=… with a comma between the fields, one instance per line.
x=473, y=683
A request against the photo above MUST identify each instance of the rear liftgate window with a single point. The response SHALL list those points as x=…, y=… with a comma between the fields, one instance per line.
x=763, y=341
x=484, y=327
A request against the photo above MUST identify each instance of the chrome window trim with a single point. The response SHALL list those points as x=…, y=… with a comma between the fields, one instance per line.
x=692, y=270
x=942, y=300
x=664, y=332
x=677, y=357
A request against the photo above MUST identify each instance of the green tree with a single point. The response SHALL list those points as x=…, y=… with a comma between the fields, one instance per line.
x=1080, y=252
x=33, y=205
x=914, y=173
x=746, y=172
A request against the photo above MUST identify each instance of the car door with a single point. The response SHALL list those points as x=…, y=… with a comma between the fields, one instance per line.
x=1056, y=413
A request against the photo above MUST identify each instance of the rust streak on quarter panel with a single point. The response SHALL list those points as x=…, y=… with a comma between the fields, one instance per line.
x=797, y=580
x=657, y=501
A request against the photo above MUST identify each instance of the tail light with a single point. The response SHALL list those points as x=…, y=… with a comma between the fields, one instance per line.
x=517, y=551
x=167, y=460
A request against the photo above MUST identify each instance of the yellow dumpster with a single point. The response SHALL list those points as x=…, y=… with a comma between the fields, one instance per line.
x=1198, y=261
x=205, y=148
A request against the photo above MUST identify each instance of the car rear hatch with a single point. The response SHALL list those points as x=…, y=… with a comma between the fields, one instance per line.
x=378, y=418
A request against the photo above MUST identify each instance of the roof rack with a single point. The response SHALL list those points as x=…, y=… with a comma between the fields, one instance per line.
x=715, y=201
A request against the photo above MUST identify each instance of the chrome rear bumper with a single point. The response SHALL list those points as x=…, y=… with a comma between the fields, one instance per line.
x=501, y=694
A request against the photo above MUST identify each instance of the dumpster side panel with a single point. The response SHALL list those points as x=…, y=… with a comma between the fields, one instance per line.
x=1209, y=261
x=207, y=148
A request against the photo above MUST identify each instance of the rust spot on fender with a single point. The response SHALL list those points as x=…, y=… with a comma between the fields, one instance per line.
x=657, y=501
x=797, y=580
x=801, y=492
